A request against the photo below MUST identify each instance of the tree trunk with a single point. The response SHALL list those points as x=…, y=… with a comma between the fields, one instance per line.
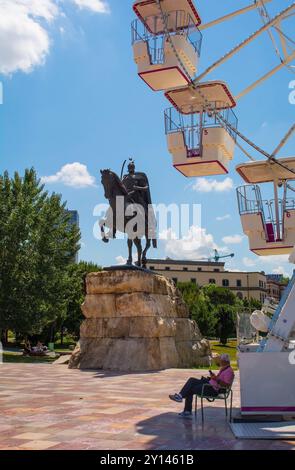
x=4, y=337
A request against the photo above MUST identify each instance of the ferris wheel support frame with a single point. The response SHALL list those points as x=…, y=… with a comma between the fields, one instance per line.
x=265, y=77
x=283, y=43
x=279, y=17
x=223, y=122
x=284, y=140
x=231, y=15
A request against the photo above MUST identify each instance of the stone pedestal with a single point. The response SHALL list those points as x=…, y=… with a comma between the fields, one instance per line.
x=136, y=321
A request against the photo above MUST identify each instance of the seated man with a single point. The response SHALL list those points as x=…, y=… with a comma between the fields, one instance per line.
x=193, y=386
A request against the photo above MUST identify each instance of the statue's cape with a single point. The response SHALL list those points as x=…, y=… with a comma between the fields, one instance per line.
x=148, y=200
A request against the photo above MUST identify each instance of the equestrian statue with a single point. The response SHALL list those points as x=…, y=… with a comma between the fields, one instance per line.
x=130, y=211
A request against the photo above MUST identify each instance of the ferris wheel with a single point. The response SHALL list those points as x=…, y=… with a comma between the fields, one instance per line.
x=201, y=125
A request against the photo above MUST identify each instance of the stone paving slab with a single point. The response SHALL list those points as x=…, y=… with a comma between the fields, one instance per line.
x=55, y=408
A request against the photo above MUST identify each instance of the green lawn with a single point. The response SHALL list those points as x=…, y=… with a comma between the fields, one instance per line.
x=14, y=357
x=13, y=354
x=230, y=348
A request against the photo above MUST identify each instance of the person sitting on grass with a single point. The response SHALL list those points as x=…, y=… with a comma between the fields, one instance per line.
x=216, y=382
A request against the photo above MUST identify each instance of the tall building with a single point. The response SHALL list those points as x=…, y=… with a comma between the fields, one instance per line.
x=244, y=284
x=74, y=220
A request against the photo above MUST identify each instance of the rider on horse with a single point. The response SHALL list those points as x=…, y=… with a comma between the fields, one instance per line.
x=138, y=189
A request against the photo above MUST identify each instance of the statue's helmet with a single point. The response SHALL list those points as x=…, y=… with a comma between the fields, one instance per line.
x=131, y=165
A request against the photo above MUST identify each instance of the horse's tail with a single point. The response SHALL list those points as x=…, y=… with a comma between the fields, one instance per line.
x=155, y=243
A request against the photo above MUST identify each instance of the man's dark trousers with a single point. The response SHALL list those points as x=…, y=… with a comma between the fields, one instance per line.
x=194, y=386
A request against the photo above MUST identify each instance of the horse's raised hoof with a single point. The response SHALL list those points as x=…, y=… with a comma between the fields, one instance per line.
x=105, y=240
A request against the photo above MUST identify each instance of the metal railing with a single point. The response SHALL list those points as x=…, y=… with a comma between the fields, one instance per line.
x=152, y=32
x=249, y=200
x=210, y=119
x=193, y=124
x=290, y=204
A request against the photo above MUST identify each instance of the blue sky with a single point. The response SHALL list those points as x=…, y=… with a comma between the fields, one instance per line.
x=72, y=95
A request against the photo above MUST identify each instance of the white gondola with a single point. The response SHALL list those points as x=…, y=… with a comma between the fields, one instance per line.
x=147, y=9
x=268, y=224
x=200, y=145
x=157, y=63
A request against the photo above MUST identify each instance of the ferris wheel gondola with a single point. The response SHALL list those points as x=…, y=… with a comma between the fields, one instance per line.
x=166, y=61
x=200, y=145
x=154, y=54
x=268, y=224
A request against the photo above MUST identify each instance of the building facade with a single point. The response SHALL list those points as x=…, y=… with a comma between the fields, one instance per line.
x=275, y=286
x=245, y=285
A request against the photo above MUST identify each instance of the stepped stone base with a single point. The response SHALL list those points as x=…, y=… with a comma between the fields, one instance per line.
x=136, y=321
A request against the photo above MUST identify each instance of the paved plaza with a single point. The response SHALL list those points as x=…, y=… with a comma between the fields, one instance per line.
x=52, y=407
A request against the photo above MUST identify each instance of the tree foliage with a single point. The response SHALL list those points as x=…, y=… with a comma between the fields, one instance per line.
x=213, y=308
x=198, y=306
x=76, y=295
x=37, y=245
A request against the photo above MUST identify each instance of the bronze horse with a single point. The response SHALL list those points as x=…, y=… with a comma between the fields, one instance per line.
x=126, y=216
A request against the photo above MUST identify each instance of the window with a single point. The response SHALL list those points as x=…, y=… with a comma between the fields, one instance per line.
x=199, y=269
x=185, y=269
x=194, y=280
x=212, y=281
x=175, y=280
x=239, y=283
x=217, y=270
x=240, y=295
x=167, y=268
x=152, y=267
x=225, y=282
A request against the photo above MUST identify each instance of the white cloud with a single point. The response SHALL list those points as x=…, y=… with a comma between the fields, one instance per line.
x=72, y=174
x=223, y=217
x=121, y=260
x=24, y=30
x=235, y=270
x=275, y=259
x=97, y=6
x=167, y=235
x=204, y=185
x=248, y=262
x=280, y=270
x=24, y=43
x=233, y=239
x=269, y=264
x=197, y=244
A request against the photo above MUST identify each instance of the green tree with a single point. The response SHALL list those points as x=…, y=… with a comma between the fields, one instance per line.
x=223, y=304
x=76, y=295
x=37, y=244
x=226, y=322
x=198, y=307
x=252, y=304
